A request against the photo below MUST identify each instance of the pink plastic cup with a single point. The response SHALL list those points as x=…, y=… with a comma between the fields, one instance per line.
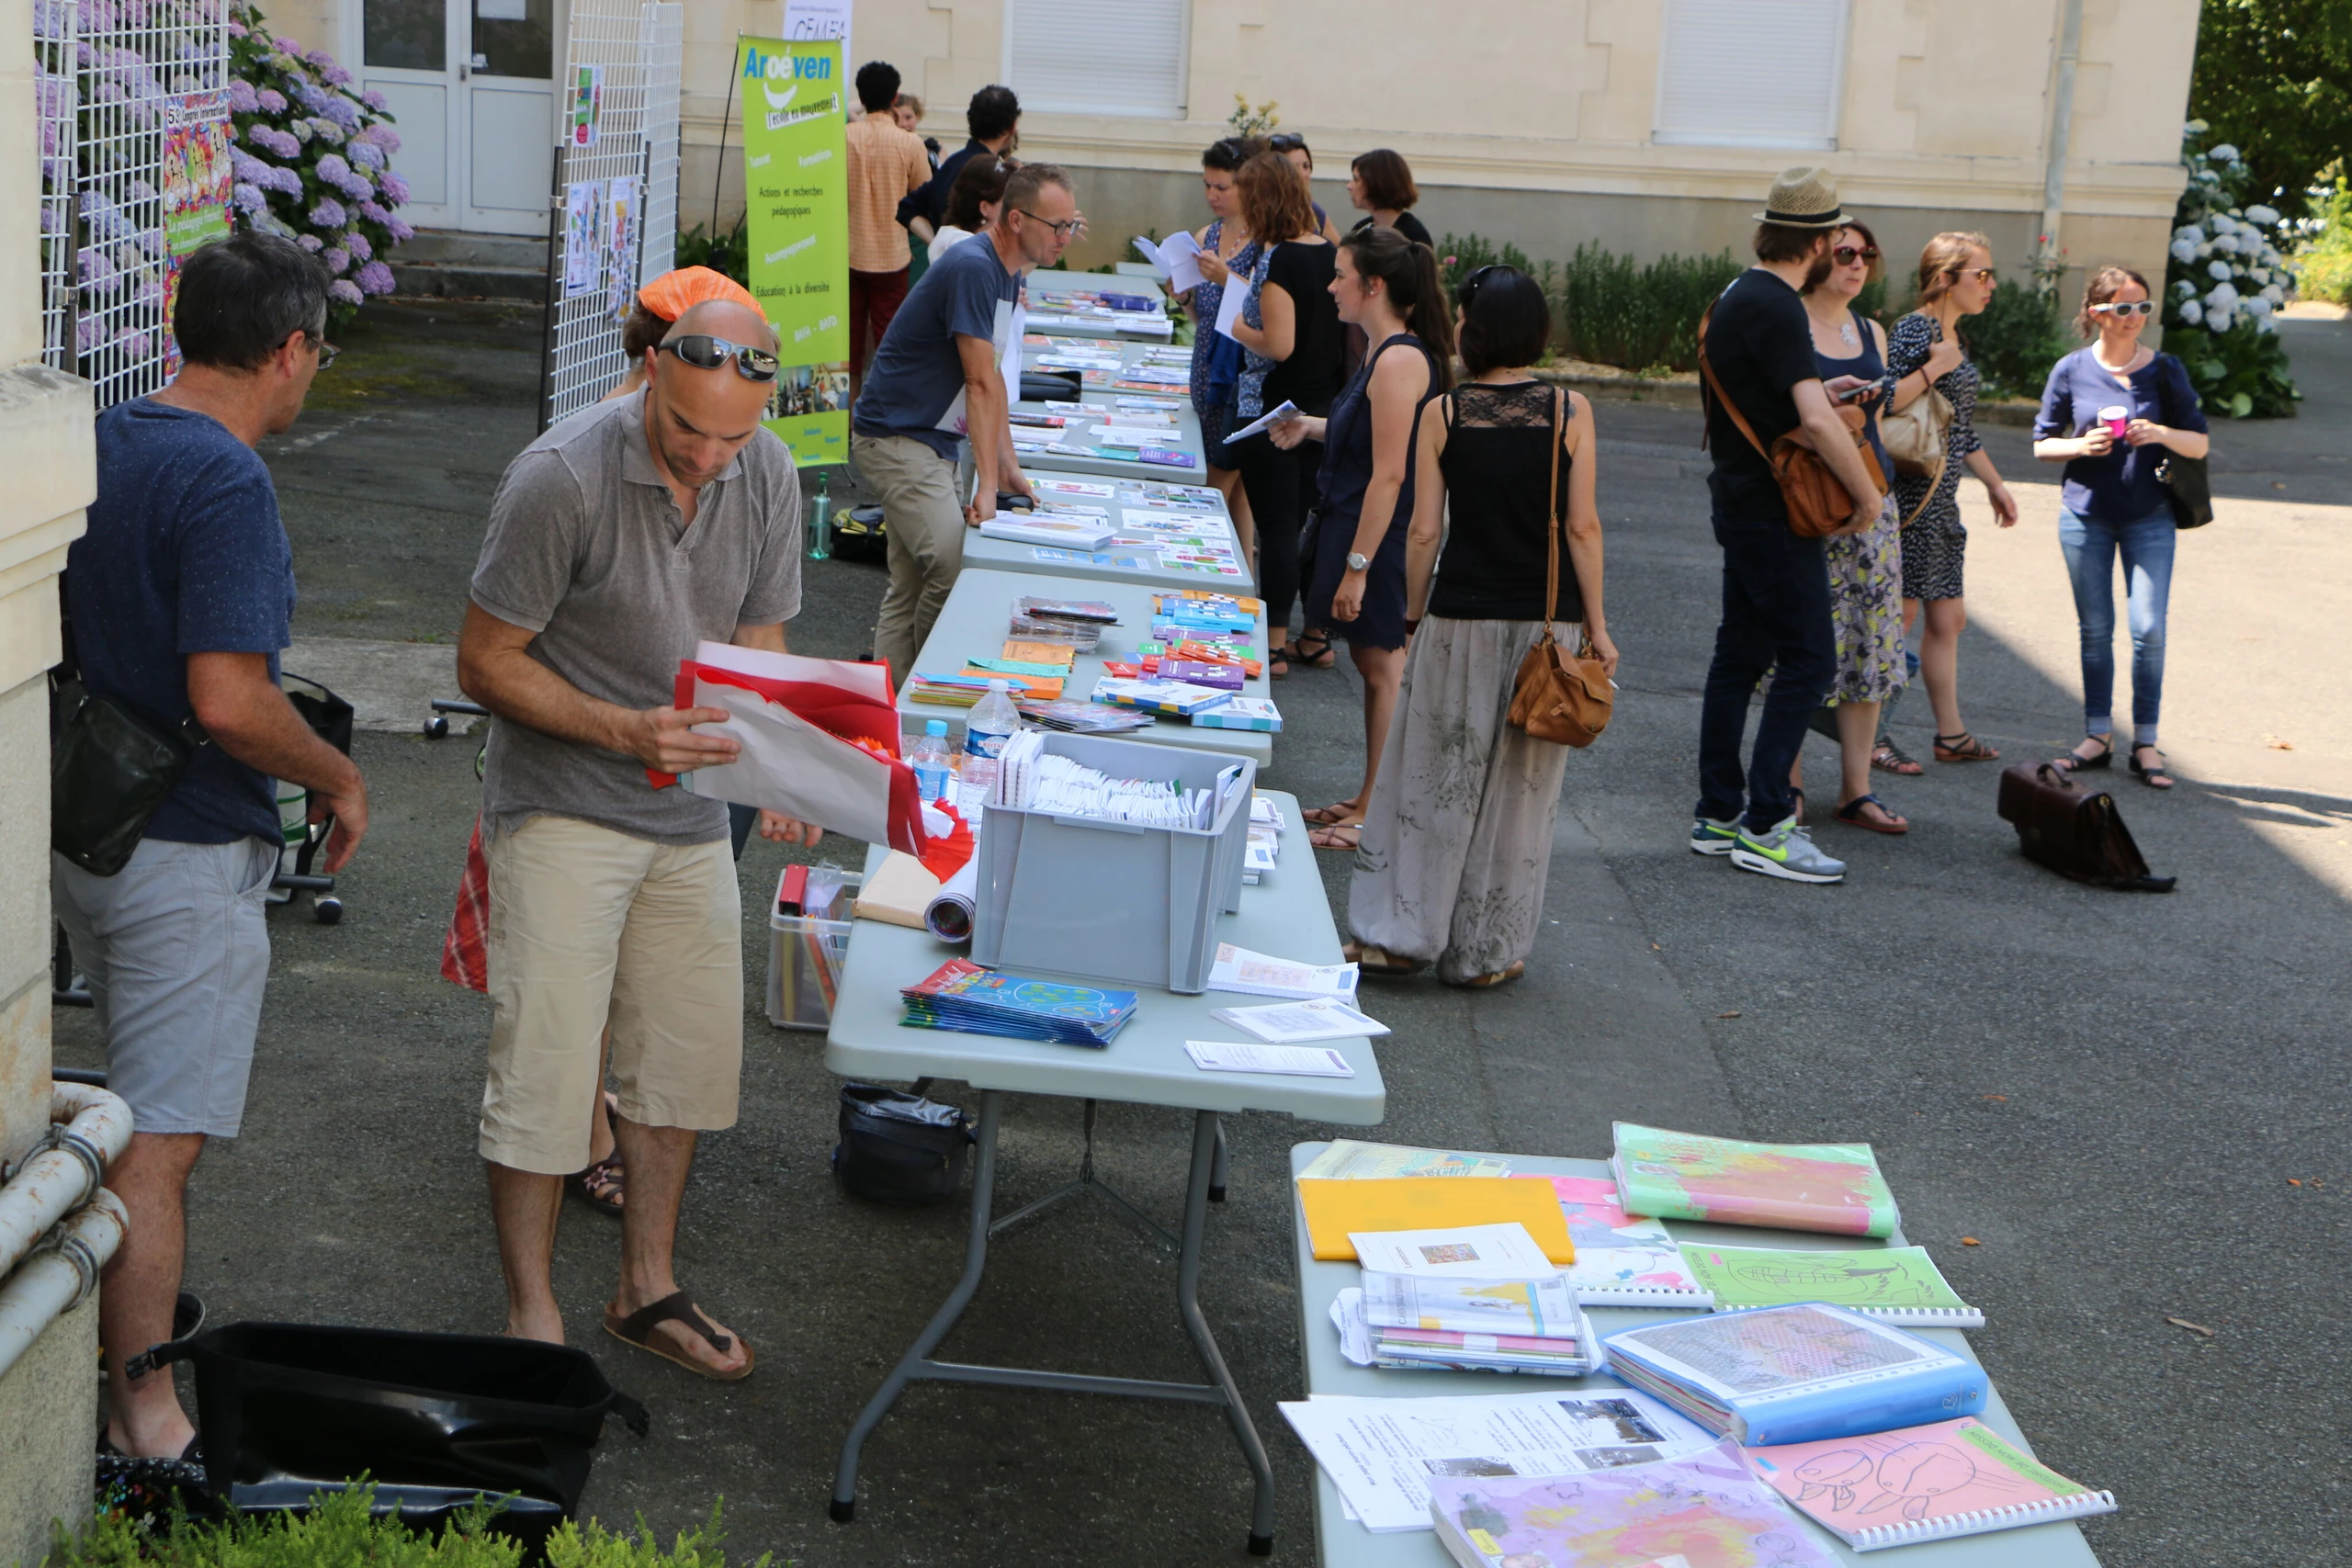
x=2117, y=418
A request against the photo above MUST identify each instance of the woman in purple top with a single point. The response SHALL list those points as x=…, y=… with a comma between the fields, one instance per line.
x=2114, y=502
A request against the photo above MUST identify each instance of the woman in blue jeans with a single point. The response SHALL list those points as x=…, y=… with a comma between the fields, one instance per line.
x=2114, y=502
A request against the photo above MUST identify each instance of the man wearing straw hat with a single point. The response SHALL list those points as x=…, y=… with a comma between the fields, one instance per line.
x=1758, y=348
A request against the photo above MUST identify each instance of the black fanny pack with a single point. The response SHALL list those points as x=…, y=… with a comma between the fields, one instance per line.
x=108, y=770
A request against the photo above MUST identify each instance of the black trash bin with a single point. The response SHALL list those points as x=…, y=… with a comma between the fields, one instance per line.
x=292, y=1409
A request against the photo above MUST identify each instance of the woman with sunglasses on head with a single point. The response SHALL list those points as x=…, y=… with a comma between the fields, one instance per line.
x=2113, y=501
x=1955, y=280
x=1865, y=569
x=1387, y=285
x=1292, y=146
x=1290, y=327
x=1216, y=358
x=1458, y=840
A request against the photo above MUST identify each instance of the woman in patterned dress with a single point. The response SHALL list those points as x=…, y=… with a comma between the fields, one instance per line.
x=1222, y=244
x=1955, y=280
x=1866, y=568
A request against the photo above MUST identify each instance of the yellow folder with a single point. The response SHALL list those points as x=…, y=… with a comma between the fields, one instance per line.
x=1336, y=1209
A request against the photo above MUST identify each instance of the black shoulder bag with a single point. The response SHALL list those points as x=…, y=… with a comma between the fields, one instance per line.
x=108, y=770
x=2188, y=488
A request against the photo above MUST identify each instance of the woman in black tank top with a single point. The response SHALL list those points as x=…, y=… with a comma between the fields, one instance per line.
x=1458, y=840
x=1388, y=285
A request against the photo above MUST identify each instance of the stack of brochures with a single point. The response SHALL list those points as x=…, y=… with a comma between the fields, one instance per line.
x=1178, y=699
x=1199, y=609
x=969, y=999
x=1796, y=1373
x=1835, y=1188
x=1265, y=847
x=1078, y=622
x=1083, y=719
x=1407, y=1321
x=1241, y=713
x=1070, y=529
x=1262, y=975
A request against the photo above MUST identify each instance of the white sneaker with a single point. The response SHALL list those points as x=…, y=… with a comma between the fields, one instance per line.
x=1788, y=851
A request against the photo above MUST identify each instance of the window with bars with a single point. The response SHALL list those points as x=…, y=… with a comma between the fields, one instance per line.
x=1113, y=57
x=1750, y=72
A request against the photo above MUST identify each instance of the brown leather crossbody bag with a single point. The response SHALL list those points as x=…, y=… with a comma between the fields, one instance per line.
x=1817, y=501
x=1561, y=697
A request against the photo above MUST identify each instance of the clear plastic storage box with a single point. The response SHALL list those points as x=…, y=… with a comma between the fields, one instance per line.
x=1112, y=900
x=806, y=953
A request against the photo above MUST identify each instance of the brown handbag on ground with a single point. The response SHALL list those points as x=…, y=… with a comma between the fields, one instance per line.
x=1559, y=698
x=2073, y=831
x=1817, y=499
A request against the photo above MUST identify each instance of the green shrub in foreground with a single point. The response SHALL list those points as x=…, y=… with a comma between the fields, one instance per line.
x=338, y=1533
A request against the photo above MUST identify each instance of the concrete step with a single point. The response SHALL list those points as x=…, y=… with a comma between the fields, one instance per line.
x=445, y=264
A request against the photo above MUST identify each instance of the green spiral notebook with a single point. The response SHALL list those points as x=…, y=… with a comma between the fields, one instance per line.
x=1898, y=1284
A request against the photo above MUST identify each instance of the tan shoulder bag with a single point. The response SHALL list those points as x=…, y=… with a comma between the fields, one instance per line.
x=1816, y=500
x=1559, y=698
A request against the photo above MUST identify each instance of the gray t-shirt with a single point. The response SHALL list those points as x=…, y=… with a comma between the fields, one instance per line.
x=915, y=385
x=587, y=549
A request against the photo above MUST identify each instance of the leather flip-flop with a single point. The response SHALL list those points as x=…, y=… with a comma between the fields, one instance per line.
x=1853, y=816
x=638, y=1327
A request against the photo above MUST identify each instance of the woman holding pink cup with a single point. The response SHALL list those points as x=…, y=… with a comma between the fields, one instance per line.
x=2110, y=412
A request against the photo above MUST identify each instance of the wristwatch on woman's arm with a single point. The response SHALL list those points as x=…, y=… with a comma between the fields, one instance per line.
x=1358, y=562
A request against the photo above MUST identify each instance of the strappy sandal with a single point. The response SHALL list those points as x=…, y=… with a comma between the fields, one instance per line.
x=1500, y=977
x=1321, y=658
x=638, y=1327
x=1379, y=960
x=2074, y=762
x=2154, y=776
x=603, y=1186
x=1277, y=663
x=1338, y=814
x=1963, y=748
x=1853, y=816
x=1887, y=757
x=1327, y=838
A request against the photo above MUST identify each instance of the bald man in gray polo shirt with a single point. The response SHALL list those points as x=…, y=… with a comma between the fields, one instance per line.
x=618, y=540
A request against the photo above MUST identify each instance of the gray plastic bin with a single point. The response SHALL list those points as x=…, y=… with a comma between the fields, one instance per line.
x=805, y=958
x=1112, y=900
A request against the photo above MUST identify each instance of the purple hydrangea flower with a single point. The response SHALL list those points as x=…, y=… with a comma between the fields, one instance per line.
x=383, y=136
x=377, y=101
x=245, y=195
x=242, y=99
x=88, y=333
x=151, y=242
x=401, y=233
x=365, y=154
x=271, y=140
x=395, y=188
x=319, y=58
x=343, y=291
x=247, y=167
x=334, y=75
x=339, y=109
x=338, y=260
x=271, y=100
x=288, y=46
x=139, y=190
x=374, y=213
x=150, y=292
x=311, y=243
x=356, y=243
x=300, y=131
x=376, y=279
x=285, y=181
x=331, y=169
x=328, y=214
x=99, y=274
x=236, y=29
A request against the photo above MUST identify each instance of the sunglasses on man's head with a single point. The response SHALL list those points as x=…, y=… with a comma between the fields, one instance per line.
x=2125, y=308
x=706, y=353
x=1846, y=255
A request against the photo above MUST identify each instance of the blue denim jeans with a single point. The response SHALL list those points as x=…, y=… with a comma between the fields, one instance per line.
x=2090, y=545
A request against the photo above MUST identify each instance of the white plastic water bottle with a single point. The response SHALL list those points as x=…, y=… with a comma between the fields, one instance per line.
x=928, y=757
x=993, y=722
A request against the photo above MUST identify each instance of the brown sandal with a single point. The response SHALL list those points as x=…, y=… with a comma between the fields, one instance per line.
x=1379, y=960
x=603, y=1186
x=1500, y=977
x=638, y=1327
x=1338, y=814
x=1963, y=748
x=1331, y=837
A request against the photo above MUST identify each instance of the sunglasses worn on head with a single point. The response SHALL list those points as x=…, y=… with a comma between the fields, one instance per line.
x=1286, y=141
x=1469, y=289
x=2125, y=308
x=1846, y=255
x=706, y=353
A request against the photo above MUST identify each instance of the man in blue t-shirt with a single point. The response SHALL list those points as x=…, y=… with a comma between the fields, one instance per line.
x=936, y=378
x=1759, y=351
x=178, y=598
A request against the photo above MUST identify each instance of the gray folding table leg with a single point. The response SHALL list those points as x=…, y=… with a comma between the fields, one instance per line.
x=1216, y=1173
x=1206, y=1141
x=976, y=1257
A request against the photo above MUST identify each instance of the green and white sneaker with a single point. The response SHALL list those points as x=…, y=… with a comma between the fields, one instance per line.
x=1788, y=851
x=1709, y=837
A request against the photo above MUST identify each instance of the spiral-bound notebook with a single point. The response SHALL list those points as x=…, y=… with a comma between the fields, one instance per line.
x=1622, y=1260
x=1917, y=1483
x=1894, y=1284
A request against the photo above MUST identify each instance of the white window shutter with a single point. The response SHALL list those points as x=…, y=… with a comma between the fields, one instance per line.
x=1119, y=57
x=1750, y=72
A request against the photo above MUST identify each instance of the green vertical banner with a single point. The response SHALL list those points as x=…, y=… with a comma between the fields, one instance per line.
x=797, y=210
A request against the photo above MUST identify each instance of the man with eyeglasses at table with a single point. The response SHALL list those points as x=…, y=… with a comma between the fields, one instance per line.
x=937, y=378
x=618, y=540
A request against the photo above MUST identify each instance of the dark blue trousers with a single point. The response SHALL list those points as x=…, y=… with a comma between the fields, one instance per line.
x=1776, y=616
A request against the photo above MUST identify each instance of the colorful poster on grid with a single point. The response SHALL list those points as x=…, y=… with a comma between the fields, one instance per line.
x=195, y=197
x=796, y=206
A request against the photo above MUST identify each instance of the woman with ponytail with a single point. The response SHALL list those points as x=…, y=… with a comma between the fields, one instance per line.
x=1388, y=285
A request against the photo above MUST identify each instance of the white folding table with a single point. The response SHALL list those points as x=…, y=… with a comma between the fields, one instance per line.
x=1341, y=1543
x=973, y=623
x=1145, y=1065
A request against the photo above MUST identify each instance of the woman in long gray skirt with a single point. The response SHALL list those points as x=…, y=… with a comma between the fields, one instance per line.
x=1458, y=838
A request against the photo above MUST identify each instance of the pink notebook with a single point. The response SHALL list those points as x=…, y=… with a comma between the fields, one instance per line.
x=1918, y=1484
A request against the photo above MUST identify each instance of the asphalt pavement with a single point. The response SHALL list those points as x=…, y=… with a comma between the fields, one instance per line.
x=2103, y=1112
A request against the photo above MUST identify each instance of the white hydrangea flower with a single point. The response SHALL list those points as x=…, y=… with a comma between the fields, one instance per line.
x=2196, y=128
x=2265, y=324
x=2260, y=274
x=2276, y=293
x=2209, y=176
x=2205, y=250
x=2184, y=288
x=2224, y=153
x=2219, y=269
x=2220, y=322
x=2190, y=232
x=2266, y=216
x=2223, y=223
x=2257, y=307
x=2182, y=251
x=2227, y=245
x=2191, y=312
x=2222, y=297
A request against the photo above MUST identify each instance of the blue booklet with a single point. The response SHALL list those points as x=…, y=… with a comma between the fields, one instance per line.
x=1793, y=1374
x=964, y=997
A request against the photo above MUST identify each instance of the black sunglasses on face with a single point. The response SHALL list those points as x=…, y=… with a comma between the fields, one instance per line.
x=1846, y=255
x=706, y=353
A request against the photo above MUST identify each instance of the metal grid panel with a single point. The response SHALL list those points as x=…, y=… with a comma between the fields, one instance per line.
x=55, y=23
x=146, y=65
x=583, y=355
x=666, y=32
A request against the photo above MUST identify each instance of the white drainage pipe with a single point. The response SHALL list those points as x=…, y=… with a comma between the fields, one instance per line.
x=88, y=1129
x=61, y=1271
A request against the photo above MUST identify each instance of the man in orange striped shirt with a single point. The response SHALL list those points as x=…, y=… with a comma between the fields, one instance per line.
x=886, y=165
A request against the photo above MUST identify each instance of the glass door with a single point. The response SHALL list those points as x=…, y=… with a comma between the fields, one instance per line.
x=404, y=54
